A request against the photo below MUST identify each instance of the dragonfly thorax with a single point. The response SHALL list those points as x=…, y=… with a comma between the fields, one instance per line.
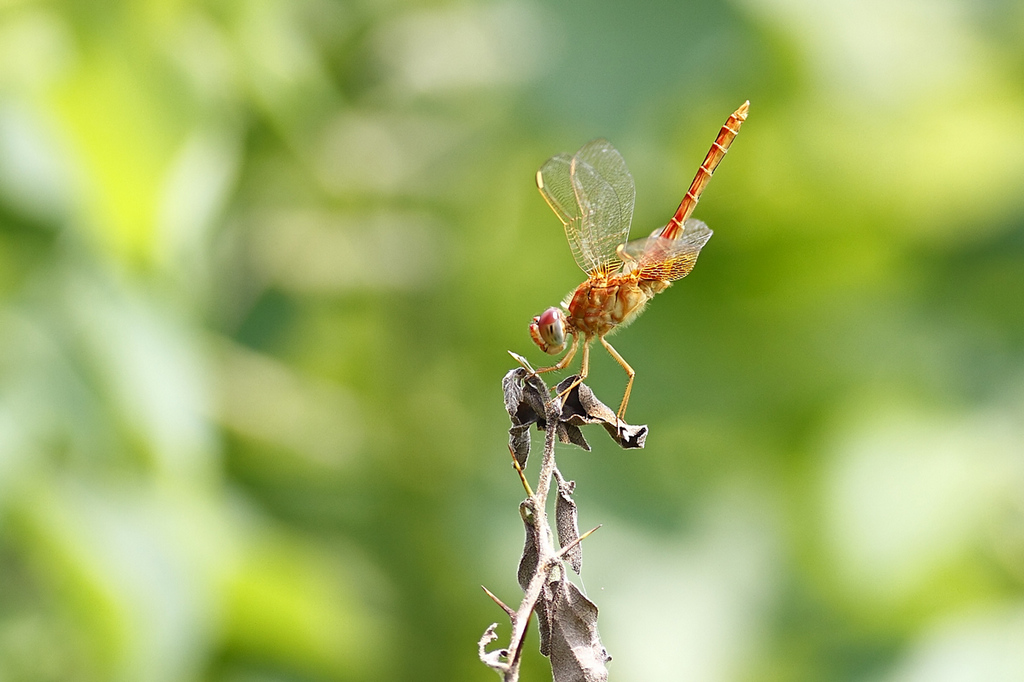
x=598, y=307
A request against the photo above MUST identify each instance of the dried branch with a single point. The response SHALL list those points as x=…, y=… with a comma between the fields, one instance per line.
x=567, y=619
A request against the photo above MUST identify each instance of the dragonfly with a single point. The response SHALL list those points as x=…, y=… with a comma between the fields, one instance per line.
x=592, y=193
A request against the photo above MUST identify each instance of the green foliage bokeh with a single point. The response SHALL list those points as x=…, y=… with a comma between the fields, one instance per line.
x=260, y=263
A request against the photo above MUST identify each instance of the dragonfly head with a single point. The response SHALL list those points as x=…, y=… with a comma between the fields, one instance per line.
x=548, y=331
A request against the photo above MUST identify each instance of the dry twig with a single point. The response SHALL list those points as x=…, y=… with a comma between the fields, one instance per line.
x=567, y=619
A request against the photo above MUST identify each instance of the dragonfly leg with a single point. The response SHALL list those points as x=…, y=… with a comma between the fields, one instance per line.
x=584, y=370
x=629, y=384
x=566, y=359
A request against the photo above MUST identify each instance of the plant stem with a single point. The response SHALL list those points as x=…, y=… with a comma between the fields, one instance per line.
x=547, y=558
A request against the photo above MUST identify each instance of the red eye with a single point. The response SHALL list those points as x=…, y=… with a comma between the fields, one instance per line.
x=548, y=330
x=549, y=318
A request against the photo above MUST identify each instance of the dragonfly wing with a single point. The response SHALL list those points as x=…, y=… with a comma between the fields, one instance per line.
x=605, y=193
x=609, y=165
x=657, y=258
x=556, y=186
x=592, y=193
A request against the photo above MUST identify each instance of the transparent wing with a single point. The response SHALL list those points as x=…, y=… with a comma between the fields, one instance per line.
x=555, y=185
x=605, y=193
x=556, y=188
x=592, y=193
x=657, y=258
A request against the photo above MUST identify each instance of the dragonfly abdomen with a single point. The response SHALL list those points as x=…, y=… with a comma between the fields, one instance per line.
x=714, y=157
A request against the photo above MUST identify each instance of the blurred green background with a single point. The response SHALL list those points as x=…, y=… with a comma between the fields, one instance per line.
x=260, y=262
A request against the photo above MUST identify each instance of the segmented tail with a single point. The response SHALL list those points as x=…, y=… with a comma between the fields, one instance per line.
x=715, y=155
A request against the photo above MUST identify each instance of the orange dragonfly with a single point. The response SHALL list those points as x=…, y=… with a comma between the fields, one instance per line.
x=592, y=193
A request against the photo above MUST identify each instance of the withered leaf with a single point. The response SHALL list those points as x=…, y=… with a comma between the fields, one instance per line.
x=566, y=521
x=525, y=397
x=576, y=651
x=519, y=442
x=494, y=658
x=531, y=551
x=581, y=406
x=545, y=613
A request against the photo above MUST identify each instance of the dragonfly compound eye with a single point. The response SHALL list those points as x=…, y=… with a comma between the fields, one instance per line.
x=548, y=330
